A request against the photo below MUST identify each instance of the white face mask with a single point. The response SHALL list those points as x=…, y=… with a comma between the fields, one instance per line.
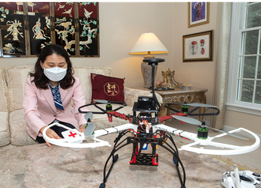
x=55, y=74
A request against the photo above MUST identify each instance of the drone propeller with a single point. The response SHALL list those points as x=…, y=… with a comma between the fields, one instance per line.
x=89, y=127
x=88, y=116
x=195, y=105
x=101, y=101
x=188, y=120
x=197, y=122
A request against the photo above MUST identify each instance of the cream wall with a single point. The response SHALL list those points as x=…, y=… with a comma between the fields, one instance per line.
x=199, y=74
x=238, y=119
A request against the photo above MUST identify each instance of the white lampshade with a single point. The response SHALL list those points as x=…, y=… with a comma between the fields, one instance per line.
x=148, y=43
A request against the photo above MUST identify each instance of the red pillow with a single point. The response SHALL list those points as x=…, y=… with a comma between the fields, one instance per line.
x=107, y=88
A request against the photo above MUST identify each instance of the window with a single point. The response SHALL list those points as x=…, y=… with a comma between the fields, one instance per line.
x=244, y=82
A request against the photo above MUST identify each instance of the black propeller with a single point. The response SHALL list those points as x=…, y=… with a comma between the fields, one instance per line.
x=194, y=104
x=102, y=101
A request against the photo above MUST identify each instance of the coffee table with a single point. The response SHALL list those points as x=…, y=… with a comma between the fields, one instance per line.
x=42, y=166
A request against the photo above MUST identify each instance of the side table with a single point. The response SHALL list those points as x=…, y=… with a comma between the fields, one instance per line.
x=181, y=96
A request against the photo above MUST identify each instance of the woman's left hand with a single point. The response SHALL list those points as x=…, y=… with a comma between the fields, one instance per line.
x=82, y=128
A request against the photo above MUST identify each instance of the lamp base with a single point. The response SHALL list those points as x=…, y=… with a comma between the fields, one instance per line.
x=146, y=72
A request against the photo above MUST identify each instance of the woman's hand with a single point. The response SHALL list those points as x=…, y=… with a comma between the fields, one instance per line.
x=51, y=134
x=82, y=128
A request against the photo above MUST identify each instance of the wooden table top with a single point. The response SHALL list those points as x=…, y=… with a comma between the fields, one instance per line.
x=176, y=91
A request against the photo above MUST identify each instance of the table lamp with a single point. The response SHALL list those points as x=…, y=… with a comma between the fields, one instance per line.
x=148, y=44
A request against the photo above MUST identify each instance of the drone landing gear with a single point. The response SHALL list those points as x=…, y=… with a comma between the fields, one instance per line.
x=139, y=158
x=145, y=159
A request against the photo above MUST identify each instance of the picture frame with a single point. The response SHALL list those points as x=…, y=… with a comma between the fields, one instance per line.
x=198, y=47
x=27, y=27
x=198, y=13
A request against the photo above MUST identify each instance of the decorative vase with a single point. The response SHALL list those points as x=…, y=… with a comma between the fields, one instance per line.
x=146, y=70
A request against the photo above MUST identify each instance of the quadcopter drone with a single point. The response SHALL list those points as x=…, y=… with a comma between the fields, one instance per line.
x=146, y=129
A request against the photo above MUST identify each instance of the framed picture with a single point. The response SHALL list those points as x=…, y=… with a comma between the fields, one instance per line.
x=12, y=40
x=27, y=27
x=198, y=13
x=198, y=47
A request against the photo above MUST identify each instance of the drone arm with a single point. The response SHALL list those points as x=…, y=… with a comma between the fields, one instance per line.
x=164, y=118
x=174, y=131
x=102, y=132
x=190, y=113
x=122, y=116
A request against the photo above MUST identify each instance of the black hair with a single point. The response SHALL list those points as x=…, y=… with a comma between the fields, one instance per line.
x=40, y=80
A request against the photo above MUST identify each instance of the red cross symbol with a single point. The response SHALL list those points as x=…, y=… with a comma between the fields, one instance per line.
x=72, y=134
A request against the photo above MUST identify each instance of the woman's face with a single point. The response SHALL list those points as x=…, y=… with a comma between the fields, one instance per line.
x=54, y=60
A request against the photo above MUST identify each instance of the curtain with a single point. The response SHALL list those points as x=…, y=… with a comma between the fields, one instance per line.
x=224, y=13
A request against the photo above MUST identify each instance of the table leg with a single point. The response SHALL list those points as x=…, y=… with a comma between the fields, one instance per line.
x=203, y=100
x=201, y=111
x=163, y=111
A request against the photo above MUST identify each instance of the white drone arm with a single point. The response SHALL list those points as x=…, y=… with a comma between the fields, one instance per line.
x=102, y=132
x=227, y=149
x=191, y=136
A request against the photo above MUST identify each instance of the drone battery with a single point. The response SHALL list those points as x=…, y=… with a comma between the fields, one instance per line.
x=145, y=147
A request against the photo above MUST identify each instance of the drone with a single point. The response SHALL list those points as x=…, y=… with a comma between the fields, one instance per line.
x=146, y=129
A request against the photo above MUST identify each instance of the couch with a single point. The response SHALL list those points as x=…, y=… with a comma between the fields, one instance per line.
x=12, y=82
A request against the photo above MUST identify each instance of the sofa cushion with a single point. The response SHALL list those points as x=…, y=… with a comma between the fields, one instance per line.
x=84, y=73
x=107, y=88
x=4, y=127
x=16, y=77
x=3, y=90
x=19, y=135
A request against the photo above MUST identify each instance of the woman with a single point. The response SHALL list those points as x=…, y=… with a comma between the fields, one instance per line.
x=48, y=93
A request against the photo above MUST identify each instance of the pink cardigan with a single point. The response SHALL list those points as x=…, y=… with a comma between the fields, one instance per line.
x=40, y=110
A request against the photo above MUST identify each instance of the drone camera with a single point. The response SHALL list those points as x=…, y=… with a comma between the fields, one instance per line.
x=145, y=102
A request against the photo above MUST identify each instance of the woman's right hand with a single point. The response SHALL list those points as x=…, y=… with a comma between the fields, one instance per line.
x=51, y=134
